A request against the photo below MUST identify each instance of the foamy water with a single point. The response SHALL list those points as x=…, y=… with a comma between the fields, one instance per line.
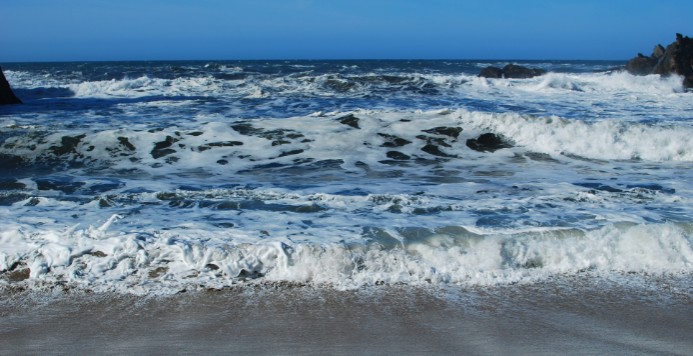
x=160, y=177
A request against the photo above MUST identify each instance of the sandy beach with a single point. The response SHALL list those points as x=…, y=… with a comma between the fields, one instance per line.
x=571, y=316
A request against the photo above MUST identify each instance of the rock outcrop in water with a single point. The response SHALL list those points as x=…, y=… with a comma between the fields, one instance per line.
x=491, y=72
x=488, y=142
x=677, y=58
x=6, y=94
x=511, y=71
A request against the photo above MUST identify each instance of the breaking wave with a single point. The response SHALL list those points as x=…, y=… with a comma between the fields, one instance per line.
x=168, y=176
x=162, y=262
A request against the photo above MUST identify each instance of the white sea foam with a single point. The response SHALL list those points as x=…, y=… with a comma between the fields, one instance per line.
x=193, y=176
x=325, y=138
x=583, y=96
x=616, y=82
x=598, y=140
x=104, y=258
x=144, y=86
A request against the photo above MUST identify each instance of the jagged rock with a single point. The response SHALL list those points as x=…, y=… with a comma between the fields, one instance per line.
x=488, y=142
x=6, y=94
x=350, y=120
x=658, y=51
x=511, y=71
x=677, y=58
x=641, y=65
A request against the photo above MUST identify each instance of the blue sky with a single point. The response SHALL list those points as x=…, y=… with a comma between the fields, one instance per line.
x=51, y=30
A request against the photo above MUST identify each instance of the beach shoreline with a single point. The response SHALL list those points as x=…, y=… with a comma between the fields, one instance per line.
x=571, y=315
x=345, y=207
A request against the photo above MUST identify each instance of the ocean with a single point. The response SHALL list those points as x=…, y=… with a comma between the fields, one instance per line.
x=154, y=178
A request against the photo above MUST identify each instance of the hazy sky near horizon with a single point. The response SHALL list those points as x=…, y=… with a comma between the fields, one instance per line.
x=82, y=30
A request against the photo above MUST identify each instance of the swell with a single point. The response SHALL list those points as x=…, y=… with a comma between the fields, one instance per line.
x=144, y=94
x=240, y=82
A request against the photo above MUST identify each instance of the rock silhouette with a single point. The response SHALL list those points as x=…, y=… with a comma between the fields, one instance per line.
x=511, y=71
x=6, y=94
x=676, y=58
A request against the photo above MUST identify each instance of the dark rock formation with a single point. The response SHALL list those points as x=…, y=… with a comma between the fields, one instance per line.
x=350, y=120
x=11, y=184
x=435, y=150
x=641, y=65
x=6, y=94
x=19, y=275
x=658, y=51
x=677, y=58
x=453, y=132
x=393, y=141
x=8, y=162
x=520, y=72
x=491, y=72
x=511, y=71
x=488, y=142
x=162, y=148
x=68, y=144
x=396, y=155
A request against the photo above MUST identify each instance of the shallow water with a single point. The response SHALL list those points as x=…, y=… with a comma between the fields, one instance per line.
x=569, y=315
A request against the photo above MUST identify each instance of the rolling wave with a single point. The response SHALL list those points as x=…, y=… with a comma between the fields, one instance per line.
x=99, y=259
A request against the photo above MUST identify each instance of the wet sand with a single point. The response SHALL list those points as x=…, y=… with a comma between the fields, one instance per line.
x=567, y=317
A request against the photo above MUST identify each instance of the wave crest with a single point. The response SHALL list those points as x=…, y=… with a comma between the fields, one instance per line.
x=94, y=259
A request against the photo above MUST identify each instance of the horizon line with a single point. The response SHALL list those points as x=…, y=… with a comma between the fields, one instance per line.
x=313, y=60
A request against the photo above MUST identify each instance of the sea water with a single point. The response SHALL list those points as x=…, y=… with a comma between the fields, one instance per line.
x=158, y=177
